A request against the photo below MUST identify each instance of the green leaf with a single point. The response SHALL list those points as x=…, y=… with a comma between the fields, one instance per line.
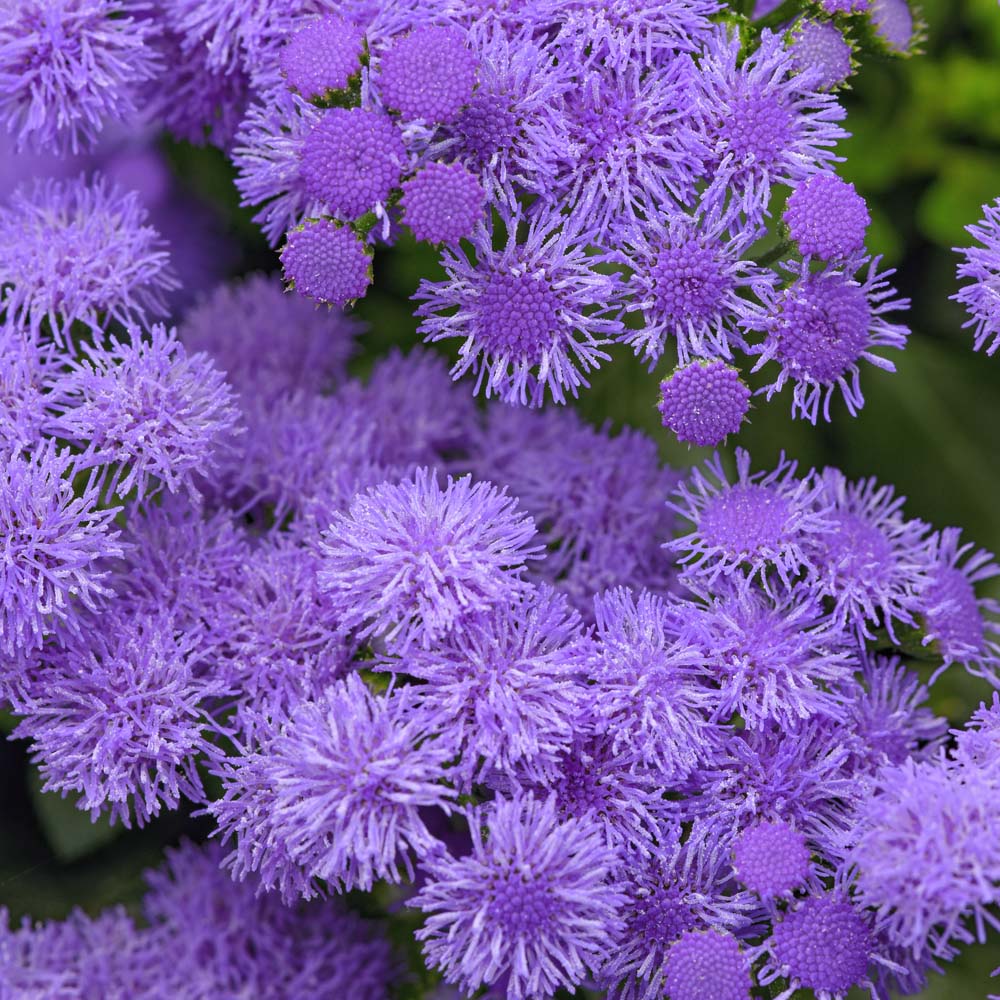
x=68, y=830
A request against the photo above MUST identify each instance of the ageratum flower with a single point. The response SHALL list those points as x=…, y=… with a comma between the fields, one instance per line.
x=145, y=413
x=765, y=124
x=51, y=541
x=508, y=687
x=79, y=251
x=442, y=203
x=820, y=50
x=597, y=500
x=409, y=561
x=681, y=889
x=633, y=145
x=824, y=945
x=652, y=699
x=322, y=57
x=533, y=316
x=531, y=906
x=761, y=525
x=771, y=859
x=118, y=716
x=981, y=265
x=977, y=746
x=962, y=626
x=704, y=402
x=821, y=326
x=923, y=861
x=893, y=24
x=210, y=936
x=67, y=67
x=826, y=218
x=338, y=791
x=267, y=155
x=701, y=960
x=874, y=563
x=29, y=391
x=780, y=660
x=285, y=343
x=427, y=74
x=692, y=284
x=326, y=261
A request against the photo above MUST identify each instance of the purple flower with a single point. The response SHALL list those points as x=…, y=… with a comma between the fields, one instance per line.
x=118, y=717
x=69, y=66
x=682, y=889
x=771, y=859
x=327, y=262
x=874, y=563
x=822, y=53
x=51, y=541
x=821, y=326
x=410, y=561
x=827, y=218
x=707, y=959
x=924, y=861
x=597, y=500
x=442, y=203
x=691, y=284
x=322, y=57
x=845, y=6
x=352, y=159
x=270, y=343
x=824, y=945
x=427, y=74
x=981, y=264
x=977, y=746
x=29, y=387
x=211, y=937
x=268, y=158
x=650, y=696
x=704, y=402
x=632, y=145
x=507, y=687
x=780, y=660
x=759, y=526
x=533, y=316
x=73, y=251
x=145, y=413
x=764, y=123
x=959, y=625
x=338, y=791
x=531, y=906
x=511, y=132
x=893, y=24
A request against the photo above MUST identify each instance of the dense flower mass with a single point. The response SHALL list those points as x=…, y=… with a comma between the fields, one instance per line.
x=554, y=715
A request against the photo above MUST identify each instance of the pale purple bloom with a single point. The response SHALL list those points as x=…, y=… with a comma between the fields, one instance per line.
x=322, y=57
x=327, y=262
x=410, y=561
x=771, y=859
x=820, y=50
x=981, y=297
x=704, y=402
x=700, y=959
x=531, y=906
x=893, y=24
x=80, y=251
x=827, y=218
x=442, y=203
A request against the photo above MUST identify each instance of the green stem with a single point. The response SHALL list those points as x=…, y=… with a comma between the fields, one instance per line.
x=776, y=252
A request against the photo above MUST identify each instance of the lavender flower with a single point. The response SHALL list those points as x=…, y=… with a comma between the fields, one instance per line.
x=530, y=906
x=339, y=789
x=144, y=413
x=771, y=859
x=118, y=717
x=704, y=402
x=76, y=251
x=700, y=958
x=409, y=561
x=67, y=67
x=820, y=50
x=51, y=542
x=327, y=262
x=981, y=264
x=533, y=316
x=827, y=218
x=442, y=203
x=323, y=57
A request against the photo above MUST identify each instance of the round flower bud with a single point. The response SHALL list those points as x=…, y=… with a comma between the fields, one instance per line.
x=442, y=203
x=827, y=218
x=327, y=262
x=352, y=160
x=893, y=23
x=429, y=74
x=824, y=945
x=771, y=858
x=322, y=56
x=704, y=402
x=707, y=964
x=819, y=48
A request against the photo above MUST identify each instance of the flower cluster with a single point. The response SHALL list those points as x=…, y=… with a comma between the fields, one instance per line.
x=616, y=726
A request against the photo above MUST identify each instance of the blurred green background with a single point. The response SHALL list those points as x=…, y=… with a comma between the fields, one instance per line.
x=925, y=151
